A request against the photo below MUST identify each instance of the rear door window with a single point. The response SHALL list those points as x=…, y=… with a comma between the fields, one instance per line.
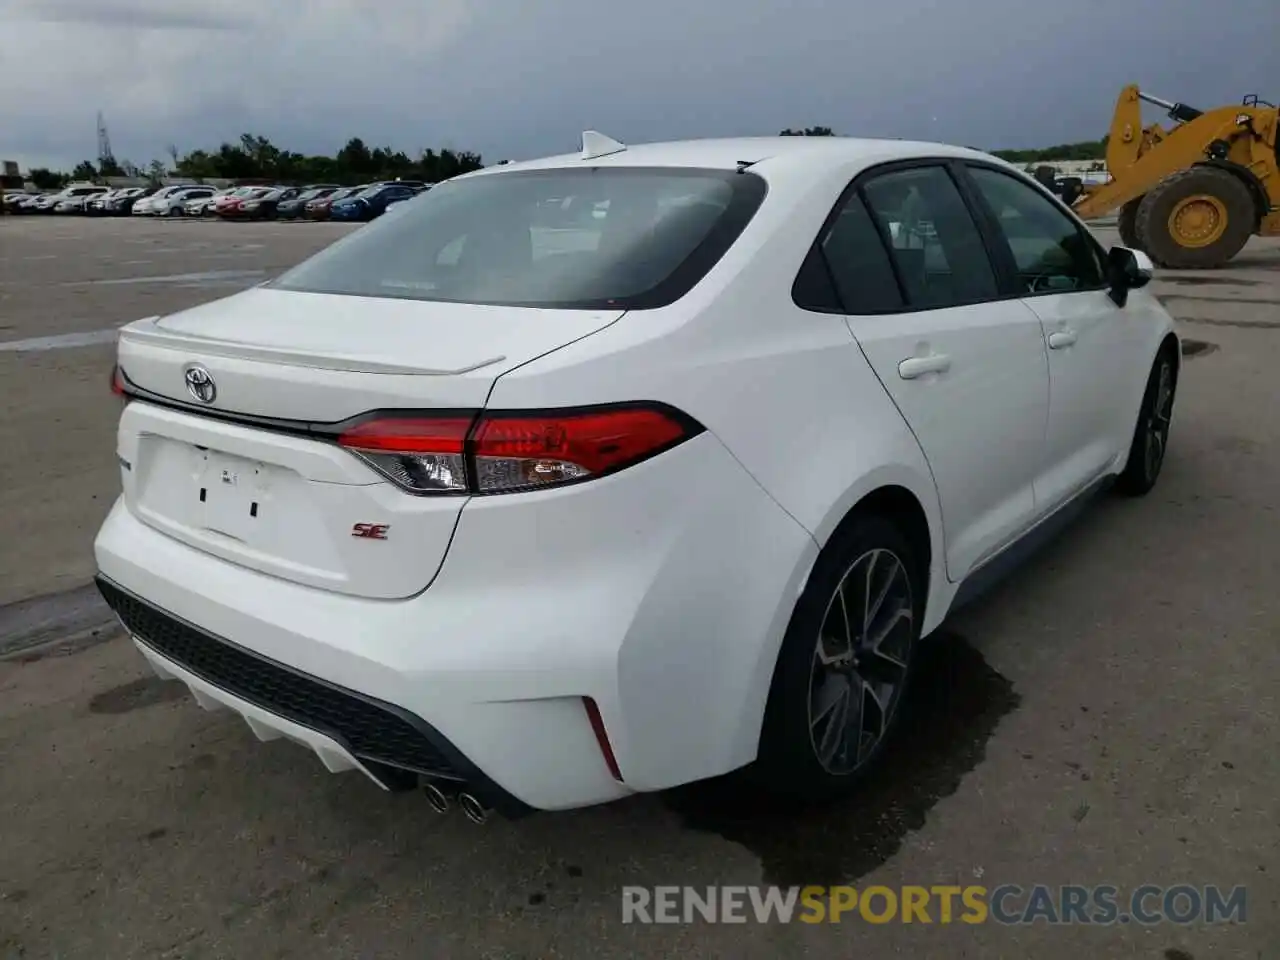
x=859, y=262
x=937, y=251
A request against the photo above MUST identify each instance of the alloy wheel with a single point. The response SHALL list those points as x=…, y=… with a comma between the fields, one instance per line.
x=860, y=661
x=1158, y=420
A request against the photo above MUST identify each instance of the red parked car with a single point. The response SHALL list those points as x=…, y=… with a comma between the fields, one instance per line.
x=231, y=206
x=318, y=209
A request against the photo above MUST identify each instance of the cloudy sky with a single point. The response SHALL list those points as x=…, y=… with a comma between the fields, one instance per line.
x=515, y=78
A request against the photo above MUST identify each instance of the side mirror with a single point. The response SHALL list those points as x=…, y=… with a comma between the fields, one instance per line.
x=1129, y=269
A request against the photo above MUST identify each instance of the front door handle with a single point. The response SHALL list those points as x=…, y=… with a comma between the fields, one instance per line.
x=914, y=367
x=1063, y=338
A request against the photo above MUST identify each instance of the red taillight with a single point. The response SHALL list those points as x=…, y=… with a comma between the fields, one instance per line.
x=423, y=455
x=117, y=381
x=516, y=452
x=446, y=435
x=508, y=452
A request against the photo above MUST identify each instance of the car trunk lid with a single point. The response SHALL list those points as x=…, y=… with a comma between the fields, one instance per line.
x=252, y=474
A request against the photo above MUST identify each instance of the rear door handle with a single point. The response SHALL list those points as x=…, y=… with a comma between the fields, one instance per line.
x=914, y=367
x=1063, y=338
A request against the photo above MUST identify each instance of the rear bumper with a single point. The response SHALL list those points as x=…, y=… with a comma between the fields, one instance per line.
x=660, y=593
x=345, y=729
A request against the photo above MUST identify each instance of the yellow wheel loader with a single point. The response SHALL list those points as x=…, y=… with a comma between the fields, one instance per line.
x=1191, y=196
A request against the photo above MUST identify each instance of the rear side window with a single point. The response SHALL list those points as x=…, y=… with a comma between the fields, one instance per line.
x=582, y=238
x=859, y=262
x=1052, y=253
x=937, y=250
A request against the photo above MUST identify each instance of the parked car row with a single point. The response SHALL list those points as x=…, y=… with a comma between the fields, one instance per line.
x=322, y=201
x=71, y=199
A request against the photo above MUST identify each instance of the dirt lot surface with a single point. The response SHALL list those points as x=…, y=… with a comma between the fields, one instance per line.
x=1108, y=716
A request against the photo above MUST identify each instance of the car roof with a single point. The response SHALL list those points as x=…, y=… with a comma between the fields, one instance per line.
x=767, y=154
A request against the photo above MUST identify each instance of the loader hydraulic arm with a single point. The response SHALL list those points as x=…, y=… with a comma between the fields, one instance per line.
x=1177, y=111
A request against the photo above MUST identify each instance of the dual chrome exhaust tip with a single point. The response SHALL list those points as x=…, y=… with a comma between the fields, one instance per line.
x=472, y=808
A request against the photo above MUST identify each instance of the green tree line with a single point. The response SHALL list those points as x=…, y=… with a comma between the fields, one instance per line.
x=257, y=158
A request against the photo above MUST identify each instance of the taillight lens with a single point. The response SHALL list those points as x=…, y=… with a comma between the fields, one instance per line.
x=514, y=452
x=422, y=455
x=117, y=381
x=511, y=452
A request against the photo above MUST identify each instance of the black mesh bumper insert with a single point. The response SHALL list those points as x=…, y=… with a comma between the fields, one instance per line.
x=371, y=731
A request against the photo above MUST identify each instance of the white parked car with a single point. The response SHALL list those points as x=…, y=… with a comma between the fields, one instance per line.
x=201, y=205
x=175, y=204
x=72, y=198
x=159, y=202
x=548, y=520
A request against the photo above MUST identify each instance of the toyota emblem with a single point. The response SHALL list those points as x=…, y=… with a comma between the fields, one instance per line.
x=199, y=384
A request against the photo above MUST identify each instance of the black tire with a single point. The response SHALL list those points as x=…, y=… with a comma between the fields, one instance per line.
x=1150, y=444
x=1159, y=204
x=789, y=761
x=1127, y=224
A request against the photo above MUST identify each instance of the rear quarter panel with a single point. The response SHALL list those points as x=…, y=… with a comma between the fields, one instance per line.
x=787, y=392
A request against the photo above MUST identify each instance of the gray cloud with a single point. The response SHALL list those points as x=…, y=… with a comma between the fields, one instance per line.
x=123, y=15
x=514, y=79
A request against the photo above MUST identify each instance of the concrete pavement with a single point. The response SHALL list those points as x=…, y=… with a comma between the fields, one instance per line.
x=1106, y=717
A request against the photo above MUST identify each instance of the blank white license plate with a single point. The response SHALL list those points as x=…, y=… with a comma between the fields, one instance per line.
x=230, y=492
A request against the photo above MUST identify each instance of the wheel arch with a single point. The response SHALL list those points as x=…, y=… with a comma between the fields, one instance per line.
x=911, y=501
x=900, y=506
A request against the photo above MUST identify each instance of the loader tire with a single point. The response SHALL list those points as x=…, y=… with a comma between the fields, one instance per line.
x=1196, y=219
x=1127, y=224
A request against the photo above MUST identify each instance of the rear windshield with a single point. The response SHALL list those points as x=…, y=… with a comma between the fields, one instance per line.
x=630, y=238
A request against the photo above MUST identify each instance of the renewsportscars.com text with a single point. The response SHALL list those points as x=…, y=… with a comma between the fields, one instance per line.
x=1008, y=904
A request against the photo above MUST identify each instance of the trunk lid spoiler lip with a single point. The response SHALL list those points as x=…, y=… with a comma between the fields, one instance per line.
x=316, y=429
x=148, y=333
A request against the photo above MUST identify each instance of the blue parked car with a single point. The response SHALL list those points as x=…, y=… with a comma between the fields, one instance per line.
x=374, y=200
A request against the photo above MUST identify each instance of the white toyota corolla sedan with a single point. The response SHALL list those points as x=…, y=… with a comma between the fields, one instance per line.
x=613, y=471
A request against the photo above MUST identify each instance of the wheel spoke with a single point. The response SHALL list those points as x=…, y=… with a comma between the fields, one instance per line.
x=872, y=720
x=878, y=657
x=835, y=733
x=844, y=617
x=834, y=687
x=835, y=643
x=876, y=597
